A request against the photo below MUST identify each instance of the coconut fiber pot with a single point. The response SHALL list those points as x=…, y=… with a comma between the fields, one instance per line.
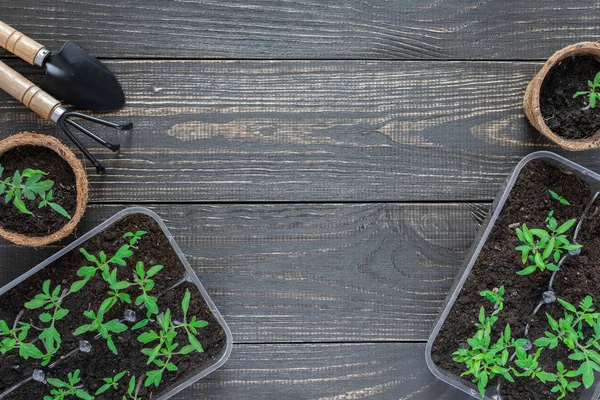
x=533, y=106
x=15, y=149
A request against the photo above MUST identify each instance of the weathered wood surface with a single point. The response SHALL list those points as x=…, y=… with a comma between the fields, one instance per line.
x=396, y=29
x=311, y=131
x=324, y=371
x=313, y=272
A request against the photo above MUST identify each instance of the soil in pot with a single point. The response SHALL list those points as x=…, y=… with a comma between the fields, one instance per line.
x=45, y=221
x=529, y=202
x=153, y=249
x=562, y=113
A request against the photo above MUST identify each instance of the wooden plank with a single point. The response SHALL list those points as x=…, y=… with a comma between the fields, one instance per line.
x=387, y=29
x=324, y=371
x=311, y=131
x=312, y=272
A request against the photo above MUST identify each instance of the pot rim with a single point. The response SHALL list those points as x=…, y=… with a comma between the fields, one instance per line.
x=81, y=182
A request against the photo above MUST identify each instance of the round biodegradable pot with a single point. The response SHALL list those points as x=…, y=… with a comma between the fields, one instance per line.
x=532, y=98
x=76, y=192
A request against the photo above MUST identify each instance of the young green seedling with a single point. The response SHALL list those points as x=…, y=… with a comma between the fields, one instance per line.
x=15, y=338
x=558, y=197
x=51, y=302
x=563, y=385
x=484, y=359
x=105, y=329
x=544, y=247
x=133, y=390
x=110, y=383
x=102, y=262
x=591, y=94
x=163, y=352
x=72, y=388
x=570, y=331
x=27, y=185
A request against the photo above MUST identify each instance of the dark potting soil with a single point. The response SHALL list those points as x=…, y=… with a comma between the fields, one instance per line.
x=562, y=113
x=45, y=221
x=529, y=202
x=153, y=249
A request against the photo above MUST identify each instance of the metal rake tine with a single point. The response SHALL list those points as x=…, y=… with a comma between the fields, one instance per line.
x=125, y=127
x=84, y=130
x=99, y=167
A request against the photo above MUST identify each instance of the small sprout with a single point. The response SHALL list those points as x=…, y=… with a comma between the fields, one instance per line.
x=110, y=383
x=163, y=352
x=142, y=279
x=51, y=302
x=543, y=248
x=558, y=197
x=485, y=360
x=133, y=390
x=15, y=338
x=27, y=185
x=570, y=332
x=105, y=329
x=63, y=390
x=591, y=94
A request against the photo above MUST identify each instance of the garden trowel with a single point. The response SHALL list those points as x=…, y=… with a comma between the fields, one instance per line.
x=72, y=75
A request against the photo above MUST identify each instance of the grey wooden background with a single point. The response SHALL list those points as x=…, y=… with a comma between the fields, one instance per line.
x=324, y=164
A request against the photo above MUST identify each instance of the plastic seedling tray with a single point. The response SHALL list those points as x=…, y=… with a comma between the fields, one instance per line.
x=189, y=278
x=547, y=295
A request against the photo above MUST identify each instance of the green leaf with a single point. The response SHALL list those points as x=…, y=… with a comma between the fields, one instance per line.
x=527, y=271
x=577, y=94
x=111, y=345
x=102, y=389
x=566, y=226
x=567, y=306
x=57, y=383
x=140, y=324
x=587, y=374
x=185, y=304
x=119, y=376
x=153, y=271
x=35, y=303
x=21, y=206
x=83, y=395
x=27, y=350
x=45, y=317
x=131, y=386
x=195, y=343
x=153, y=378
x=77, y=285
x=60, y=210
x=148, y=337
x=82, y=329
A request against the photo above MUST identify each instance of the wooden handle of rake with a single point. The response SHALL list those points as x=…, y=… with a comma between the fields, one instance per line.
x=19, y=44
x=26, y=92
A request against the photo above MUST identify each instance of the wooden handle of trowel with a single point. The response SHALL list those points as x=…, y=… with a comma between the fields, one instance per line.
x=26, y=92
x=18, y=44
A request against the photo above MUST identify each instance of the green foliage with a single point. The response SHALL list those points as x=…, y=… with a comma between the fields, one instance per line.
x=51, y=302
x=62, y=390
x=110, y=383
x=102, y=262
x=558, y=197
x=591, y=94
x=143, y=279
x=543, y=247
x=164, y=341
x=484, y=359
x=105, y=329
x=15, y=338
x=132, y=390
x=569, y=331
x=27, y=185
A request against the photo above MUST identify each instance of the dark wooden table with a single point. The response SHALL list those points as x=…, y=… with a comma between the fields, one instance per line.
x=324, y=164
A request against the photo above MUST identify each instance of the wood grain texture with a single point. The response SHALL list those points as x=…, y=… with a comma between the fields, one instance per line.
x=324, y=371
x=310, y=131
x=312, y=272
x=301, y=29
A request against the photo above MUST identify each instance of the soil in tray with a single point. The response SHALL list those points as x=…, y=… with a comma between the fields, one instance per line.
x=562, y=113
x=152, y=249
x=498, y=262
x=45, y=221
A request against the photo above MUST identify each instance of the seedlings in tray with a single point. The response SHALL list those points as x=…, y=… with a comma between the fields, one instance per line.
x=163, y=352
x=27, y=185
x=570, y=331
x=558, y=197
x=63, y=390
x=544, y=247
x=102, y=262
x=105, y=329
x=51, y=301
x=485, y=360
x=15, y=338
x=591, y=94
x=110, y=383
